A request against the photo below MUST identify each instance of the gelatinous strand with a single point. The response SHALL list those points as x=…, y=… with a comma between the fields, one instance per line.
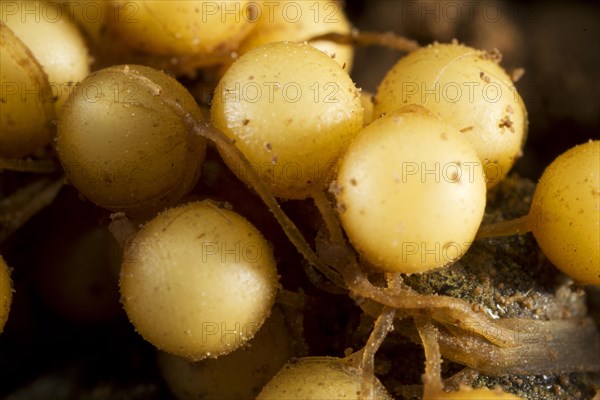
x=225, y=146
x=465, y=376
x=121, y=228
x=19, y=207
x=41, y=166
x=446, y=309
x=331, y=221
x=293, y=299
x=476, y=340
x=481, y=342
x=383, y=325
x=511, y=227
x=569, y=345
x=432, y=379
x=364, y=38
x=322, y=282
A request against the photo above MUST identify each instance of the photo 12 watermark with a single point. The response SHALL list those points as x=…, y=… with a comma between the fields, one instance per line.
x=453, y=92
x=436, y=252
x=125, y=92
x=278, y=92
x=228, y=332
x=91, y=12
x=231, y=252
x=427, y=12
x=318, y=12
x=447, y=172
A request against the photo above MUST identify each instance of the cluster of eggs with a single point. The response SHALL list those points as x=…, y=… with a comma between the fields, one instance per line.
x=409, y=171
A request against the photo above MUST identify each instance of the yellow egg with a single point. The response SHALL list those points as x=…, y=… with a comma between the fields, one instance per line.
x=467, y=89
x=565, y=213
x=198, y=29
x=411, y=192
x=5, y=293
x=90, y=16
x=123, y=147
x=252, y=366
x=297, y=21
x=317, y=378
x=55, y=42
x=367, y=99
x=27, y=110
x=198, y=281
x=291, y=119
